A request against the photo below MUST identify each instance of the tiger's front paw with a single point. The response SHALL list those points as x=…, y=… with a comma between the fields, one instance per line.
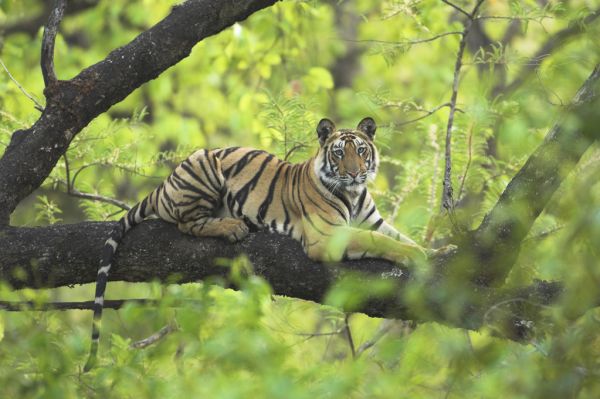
x=233, y=229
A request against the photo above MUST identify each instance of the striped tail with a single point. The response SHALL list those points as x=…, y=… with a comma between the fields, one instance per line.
x=133, y=217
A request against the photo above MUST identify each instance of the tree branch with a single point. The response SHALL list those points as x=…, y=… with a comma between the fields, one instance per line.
x=154, y=338
x=32, y=153
x=457, y=8
x=406, y=42
x=504, y=228
x=37, y=105
x=447, y=202
x=553, y=43
x=48, y=39
x=30, y=256
x=12, y=306
x=73, y=192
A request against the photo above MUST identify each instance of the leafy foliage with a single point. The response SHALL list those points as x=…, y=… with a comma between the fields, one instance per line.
x=265, y=83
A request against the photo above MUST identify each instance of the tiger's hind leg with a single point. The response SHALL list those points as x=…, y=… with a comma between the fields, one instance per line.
x=207, y=226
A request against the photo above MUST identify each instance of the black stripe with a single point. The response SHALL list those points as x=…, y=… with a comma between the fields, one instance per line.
x=344, y=200
x=214, y=170
x=143, y=206
x=226, y=152
x=184, y=185
x=369, y=214
x=377, y=224
x=325, y=199
x=283, y=205
x=131, y=215
x=242, y=195
x=326, y=161
x=187, y=166
x=361, y=201
x=215, y=186
x=238, y=165
x=331, y=203
x=264, y=207
x=189, y=170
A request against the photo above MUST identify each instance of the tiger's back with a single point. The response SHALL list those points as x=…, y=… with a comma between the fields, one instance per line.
x=246, y=184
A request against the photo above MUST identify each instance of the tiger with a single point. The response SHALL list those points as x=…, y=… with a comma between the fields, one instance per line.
x=223, y=192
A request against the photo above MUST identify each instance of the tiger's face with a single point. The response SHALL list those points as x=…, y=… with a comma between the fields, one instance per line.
x=348, y=158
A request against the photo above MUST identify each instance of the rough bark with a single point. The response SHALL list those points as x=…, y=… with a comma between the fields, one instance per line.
x=72, y=104
x=62, y=255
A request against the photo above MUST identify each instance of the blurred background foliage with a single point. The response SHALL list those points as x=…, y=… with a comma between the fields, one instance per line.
x=265, y=83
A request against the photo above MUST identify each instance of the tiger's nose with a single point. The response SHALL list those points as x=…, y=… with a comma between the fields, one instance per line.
x=353, y=174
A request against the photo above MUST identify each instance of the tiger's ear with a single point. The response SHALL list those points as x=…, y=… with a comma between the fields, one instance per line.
x=368, y=127
x=324, y=129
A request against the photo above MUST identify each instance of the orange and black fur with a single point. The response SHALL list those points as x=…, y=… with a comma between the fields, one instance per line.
x=214, y=193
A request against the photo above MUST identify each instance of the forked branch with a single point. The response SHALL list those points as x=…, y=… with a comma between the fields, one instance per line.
x=48, y=40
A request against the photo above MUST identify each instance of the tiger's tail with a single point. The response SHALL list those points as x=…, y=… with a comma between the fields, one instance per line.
x=133, y=217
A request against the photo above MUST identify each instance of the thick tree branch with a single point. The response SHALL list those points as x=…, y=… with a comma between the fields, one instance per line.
x=72, y=104
x=63, y=255
x=503, y=229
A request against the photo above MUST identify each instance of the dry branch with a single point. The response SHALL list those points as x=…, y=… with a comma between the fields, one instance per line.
x=50, y=31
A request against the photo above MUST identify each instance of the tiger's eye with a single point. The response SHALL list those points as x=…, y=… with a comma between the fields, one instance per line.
x=361, y=150
x=338, y=153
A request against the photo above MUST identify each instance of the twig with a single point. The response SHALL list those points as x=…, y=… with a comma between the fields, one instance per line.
x=385, y=327
x=316, y=334
x=469, y=159
x=37, y=105
x=19, y=306
x=93, y=197
x=157, y=336
x=99, y=198
x=48, y=39
x=447, y=202
x=349, y=335
x=105, y=163
x=67, y=172
x=294, y=148
x=548, y=47
x=515, y=17
x=544, y=234
x=431, y=224
x=427, y=113
x=457, y=8
x=548, y=91
x=497, y=307
x=405, y=42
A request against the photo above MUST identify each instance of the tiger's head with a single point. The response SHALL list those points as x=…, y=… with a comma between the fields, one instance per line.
x=347, y=159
